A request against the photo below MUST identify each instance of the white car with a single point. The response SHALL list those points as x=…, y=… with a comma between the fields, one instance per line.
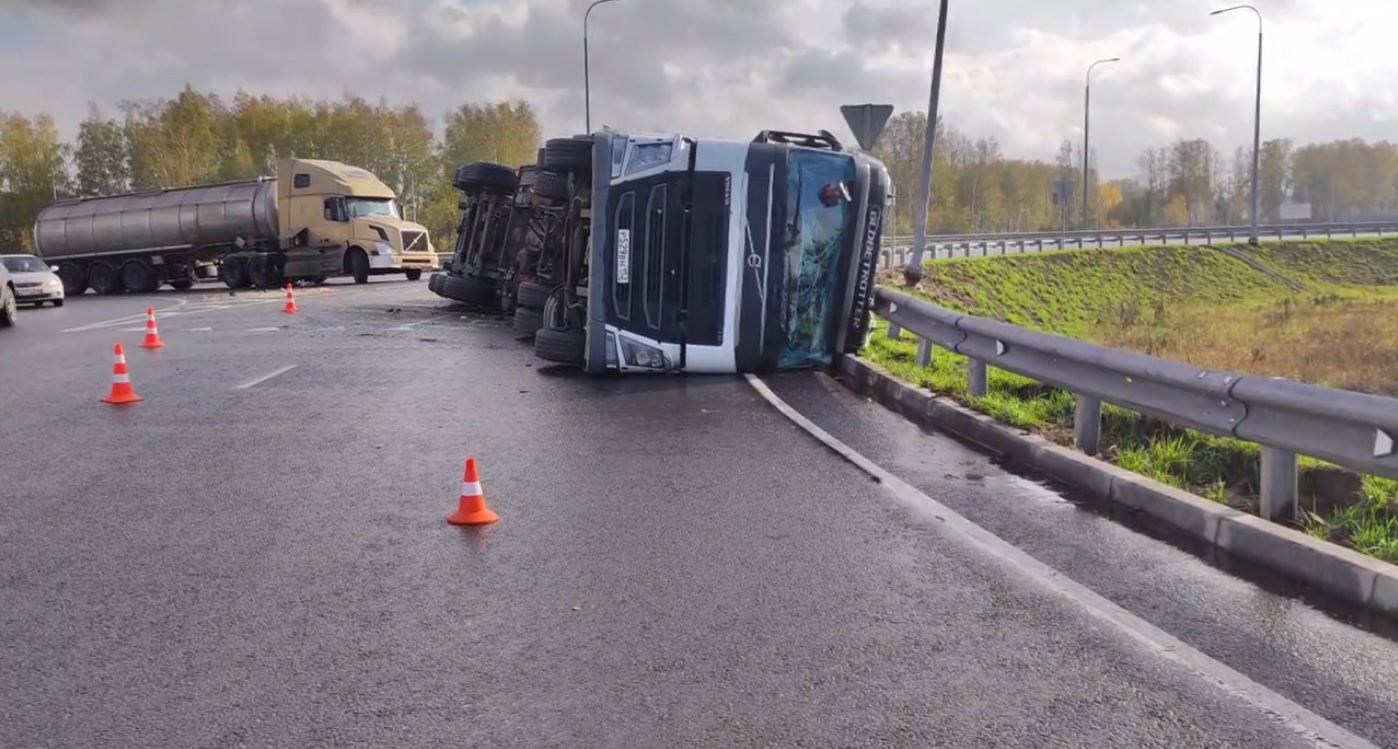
x=35, y=282
x=7, y=299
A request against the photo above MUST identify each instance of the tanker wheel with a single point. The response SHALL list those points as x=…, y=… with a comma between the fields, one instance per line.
x=103, y=278
x=73, y=278
x=233, y=271
x=359, y=265
x=138, y=278
x=258, y=274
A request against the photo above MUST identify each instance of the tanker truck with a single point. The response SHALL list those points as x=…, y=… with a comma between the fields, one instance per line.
x=314, y=220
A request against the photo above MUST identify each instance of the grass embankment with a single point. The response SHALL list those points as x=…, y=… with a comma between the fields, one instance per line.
x=1203, y=307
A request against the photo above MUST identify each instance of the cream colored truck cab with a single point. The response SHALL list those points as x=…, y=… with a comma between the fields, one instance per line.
x=351, y=207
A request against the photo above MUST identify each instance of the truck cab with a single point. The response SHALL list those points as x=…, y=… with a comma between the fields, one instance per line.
x=349, y=206
x=713, y=255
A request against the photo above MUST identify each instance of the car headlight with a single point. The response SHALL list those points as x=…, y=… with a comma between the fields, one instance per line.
x=53, y=283
x=644, y=355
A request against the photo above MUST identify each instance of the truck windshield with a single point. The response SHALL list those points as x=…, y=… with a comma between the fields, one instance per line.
x=820, y=215
x=366, y=207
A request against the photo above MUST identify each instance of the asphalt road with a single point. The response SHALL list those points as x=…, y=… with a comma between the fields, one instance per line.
x=257, y=555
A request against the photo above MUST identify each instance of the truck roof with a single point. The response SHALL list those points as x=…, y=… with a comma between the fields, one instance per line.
x=336, y=177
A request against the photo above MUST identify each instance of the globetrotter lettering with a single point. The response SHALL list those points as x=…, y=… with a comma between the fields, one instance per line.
x=866, y=267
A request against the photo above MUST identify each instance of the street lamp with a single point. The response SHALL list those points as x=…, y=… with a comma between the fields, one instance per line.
x=912, y=274
x=587, y=78
x=1086, y=106
x=1256, y=117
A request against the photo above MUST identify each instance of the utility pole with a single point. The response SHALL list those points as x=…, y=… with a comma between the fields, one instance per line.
x=913, y=273
x=1256, y=118
x=1086, y=108
x=587, y=73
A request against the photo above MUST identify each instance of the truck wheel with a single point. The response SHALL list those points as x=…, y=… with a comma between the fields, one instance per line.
x=551, y=186
x=258, y=272
x=359, y=265
x=9, y=311
x=183, y=284
x=531, y=295
x=561, y=346
x=489, y=174
x=469, y=290
x=137, y=277
x=73, y=278
x=413, y=274
x=233, y=271
x=568, y=155
x=527, y=323
x=103, y=278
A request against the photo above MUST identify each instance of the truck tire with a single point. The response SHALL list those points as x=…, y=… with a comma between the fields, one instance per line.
x=469, y=290
x=532, y=295
x=233, y=272
x=551, y=186
x=434, y=283
x=561, y=346
x=74, y=279
x=138, y=277
x=259, y=273
x=568, y=155
x=103, y=278
x=487, y=174
x=358, y=262
x=9, y=310
x=413, y=274
x=183, y=284
x=527, y=323
x=539, y=159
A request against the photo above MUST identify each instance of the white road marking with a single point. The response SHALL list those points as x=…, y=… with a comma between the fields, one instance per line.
x=198, y=330
x=1161, y=643
x=128, y=319
x=133, y=330
x=266, y=377
x=263, y=330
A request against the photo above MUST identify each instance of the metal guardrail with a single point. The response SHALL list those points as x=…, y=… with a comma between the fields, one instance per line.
x=898, y=249
x=1353, y=430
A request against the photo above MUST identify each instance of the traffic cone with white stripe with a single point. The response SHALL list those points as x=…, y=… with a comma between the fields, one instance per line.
x=122, y=392
x=290, y=307
x=152, y=333
x=472, y=510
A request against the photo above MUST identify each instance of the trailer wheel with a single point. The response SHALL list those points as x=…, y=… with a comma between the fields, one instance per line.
x=358, y=262
x=488, y=174
x=527, y=323
x=568, y=155
x=103, y=278
x=137, y=277
x=469, y=290
x=73, y=278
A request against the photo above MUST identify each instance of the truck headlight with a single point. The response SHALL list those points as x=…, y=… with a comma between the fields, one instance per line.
x=383, y=248
x=644, y=355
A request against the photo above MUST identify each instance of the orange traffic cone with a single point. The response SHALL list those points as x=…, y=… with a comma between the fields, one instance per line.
x=152, y=334
x=290, y=307
x=122, y=392
x=472, y=510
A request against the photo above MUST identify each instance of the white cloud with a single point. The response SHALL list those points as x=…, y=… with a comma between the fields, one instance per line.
x=1014, y=68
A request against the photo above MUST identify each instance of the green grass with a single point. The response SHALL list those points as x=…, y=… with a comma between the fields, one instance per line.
x=1171, y=298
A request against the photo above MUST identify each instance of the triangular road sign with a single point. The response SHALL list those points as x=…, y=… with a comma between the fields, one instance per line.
x=867, y=121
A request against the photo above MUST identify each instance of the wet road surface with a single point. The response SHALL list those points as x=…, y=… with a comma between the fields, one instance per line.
x=258, y=556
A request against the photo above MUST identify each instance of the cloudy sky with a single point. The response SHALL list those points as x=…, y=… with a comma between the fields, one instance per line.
x=1014, y=68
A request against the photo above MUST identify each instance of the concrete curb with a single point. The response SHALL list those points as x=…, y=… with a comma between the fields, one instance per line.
x=1337, y=571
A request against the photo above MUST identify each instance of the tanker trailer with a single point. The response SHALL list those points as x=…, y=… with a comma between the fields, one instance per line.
x=316, y=219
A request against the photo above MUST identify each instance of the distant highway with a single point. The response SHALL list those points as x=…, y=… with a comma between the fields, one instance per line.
x=257, y=555
x=897, y=250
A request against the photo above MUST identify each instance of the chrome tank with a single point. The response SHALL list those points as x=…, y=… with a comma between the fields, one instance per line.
x=176, y=219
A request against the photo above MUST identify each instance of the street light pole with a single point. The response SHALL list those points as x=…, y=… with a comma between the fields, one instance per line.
x=912, y=274
x=587, y=76
x=1256, y=117
x=1086, y=107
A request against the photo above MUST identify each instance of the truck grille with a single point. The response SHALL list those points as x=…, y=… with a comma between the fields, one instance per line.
x=414, y=241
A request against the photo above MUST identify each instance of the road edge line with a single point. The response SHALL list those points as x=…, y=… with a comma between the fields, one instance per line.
x=1343, y=574
x=1161, y=643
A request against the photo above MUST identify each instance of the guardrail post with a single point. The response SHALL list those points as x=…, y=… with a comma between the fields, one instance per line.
x=894, y=332
x=978, y=379
x=1087, y=424
x=1279, y=485
x=924, y=353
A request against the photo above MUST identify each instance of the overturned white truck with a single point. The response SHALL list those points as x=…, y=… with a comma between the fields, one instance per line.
x=711, y=255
